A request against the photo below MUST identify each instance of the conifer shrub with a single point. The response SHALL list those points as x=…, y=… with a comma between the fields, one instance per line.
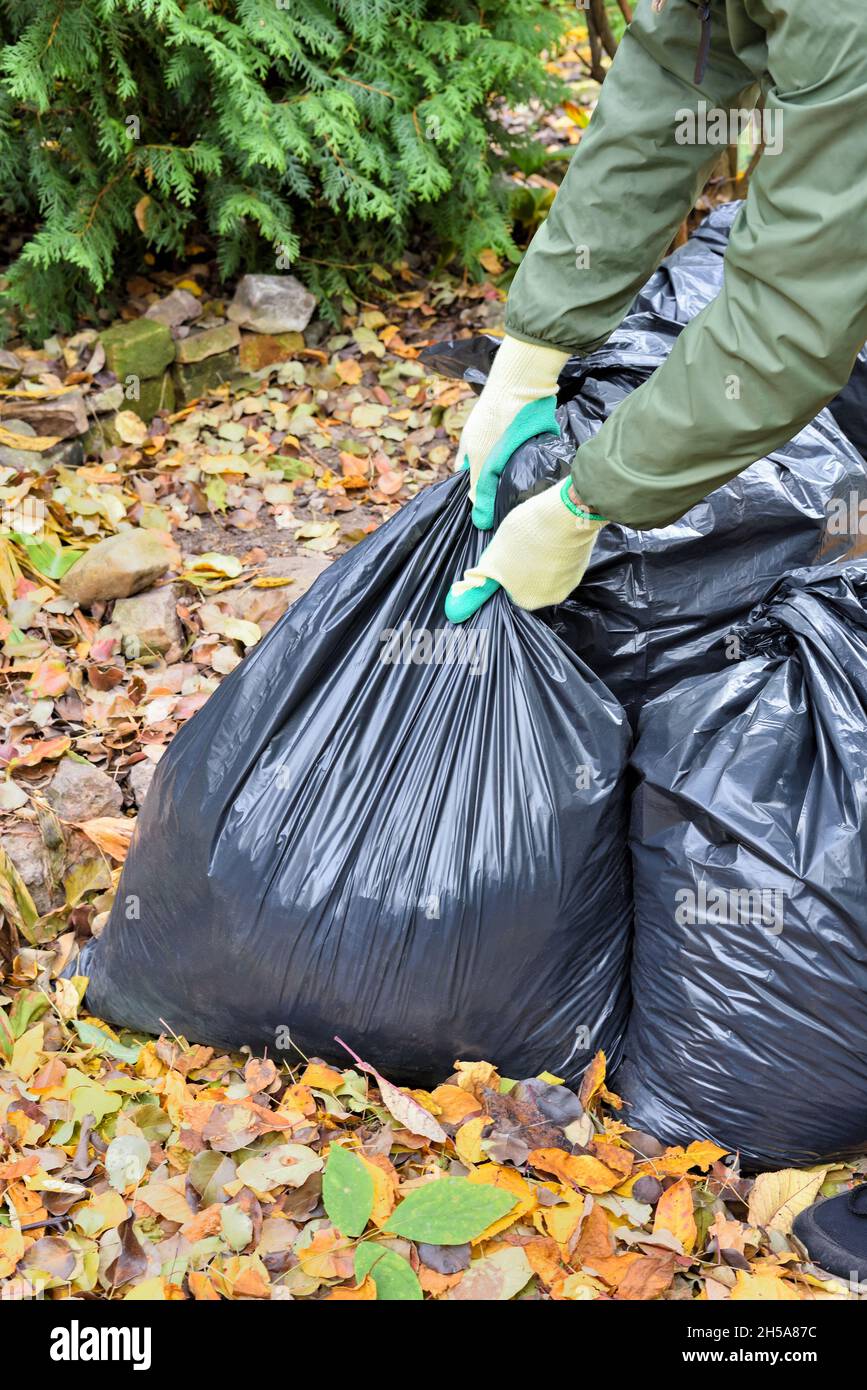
x=314, y=135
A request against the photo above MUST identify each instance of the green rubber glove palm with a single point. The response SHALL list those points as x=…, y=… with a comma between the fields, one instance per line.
x=518, y=402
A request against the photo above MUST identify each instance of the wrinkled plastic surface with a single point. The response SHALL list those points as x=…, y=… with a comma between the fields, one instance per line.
x=655, y=606
x=850, y=407
x=750, y=1019
x=429, y=860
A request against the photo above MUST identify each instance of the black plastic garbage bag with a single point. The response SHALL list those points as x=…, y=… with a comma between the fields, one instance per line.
x=749, y=837
x=382, y=826
x=850, y=407
x=654, y=606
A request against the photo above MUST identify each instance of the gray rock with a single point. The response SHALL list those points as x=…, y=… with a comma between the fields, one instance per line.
x=148, y=623
x=24, y=845
x=207, y=343
x=272, y=304
x=178, y=307
x=10, y=368
x=62, y=416
x=140, y=778
x=80, y=791
x=119, y=566
x=16, y=458
x=69, y=454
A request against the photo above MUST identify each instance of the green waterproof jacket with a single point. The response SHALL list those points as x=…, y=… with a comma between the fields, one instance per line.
x=780, y=339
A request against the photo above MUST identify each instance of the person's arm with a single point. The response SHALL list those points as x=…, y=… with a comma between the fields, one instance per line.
x=780, y=339
x=627, y=189
x=630, y=183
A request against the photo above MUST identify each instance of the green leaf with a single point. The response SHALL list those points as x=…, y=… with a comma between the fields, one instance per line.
x=7, y=1041
x=47, y=559
x=94, y=1037
x=28, y=1008
x=449, y=1211
x=347, y=1191
x=393, y=1276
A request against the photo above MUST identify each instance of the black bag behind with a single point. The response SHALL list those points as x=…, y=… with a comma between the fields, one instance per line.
x=430, y=859
x=654, y=606
x=749, y=838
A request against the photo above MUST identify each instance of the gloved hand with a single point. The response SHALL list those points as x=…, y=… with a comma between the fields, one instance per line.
x=539, y=555
x=517, y=402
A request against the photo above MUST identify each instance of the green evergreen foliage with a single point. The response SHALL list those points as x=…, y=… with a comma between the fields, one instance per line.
x=308, y=134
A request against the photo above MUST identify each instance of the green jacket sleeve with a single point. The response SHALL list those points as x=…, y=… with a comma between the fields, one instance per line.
x=629, y=185
x=780, y=339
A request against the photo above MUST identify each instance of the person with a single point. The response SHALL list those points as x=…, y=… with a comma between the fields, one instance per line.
x=756, y=364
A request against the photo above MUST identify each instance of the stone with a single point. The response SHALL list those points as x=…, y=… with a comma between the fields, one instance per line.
x=259, y=350
x=10, y=368
x=69, y=454
x=80, y=791
x=140, y=778
x=178, y=307
x=148, y=623
x=272, y=304
x=119, y=566
x=24, y=846
x=267, y=606
x=142, y=348
x=17, y=458
x=39, y=867
x=195, y=379
x=61, y=417
x=155, y=394
x=207, y=343
x=101, y=436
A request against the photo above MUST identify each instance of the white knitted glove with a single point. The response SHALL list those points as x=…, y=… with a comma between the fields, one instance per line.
x=521, y=374
x=539, y=555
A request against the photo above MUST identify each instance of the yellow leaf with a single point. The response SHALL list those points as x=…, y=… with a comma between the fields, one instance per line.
x=755, y=1287
x=32, y=443
x=149, y=1290
x=27, y=1053
x=677, y=1161
x=576, y=114
x=384, y=1194
x=472, y=1076
x=454, y=1104
x=777, y=1198
x=111, y=834
x=508, y=1180
x=321, y=1078
x=11, y=1250
x=579, y=1288
x=579, y=1170
x=674, y=1213
x=164, y=1199
x=561, y=1221
x=101, y=1213
x=349, y=370
x=468, y=1140
x=491, y=262
x=140, y=212
x=593, y=1086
